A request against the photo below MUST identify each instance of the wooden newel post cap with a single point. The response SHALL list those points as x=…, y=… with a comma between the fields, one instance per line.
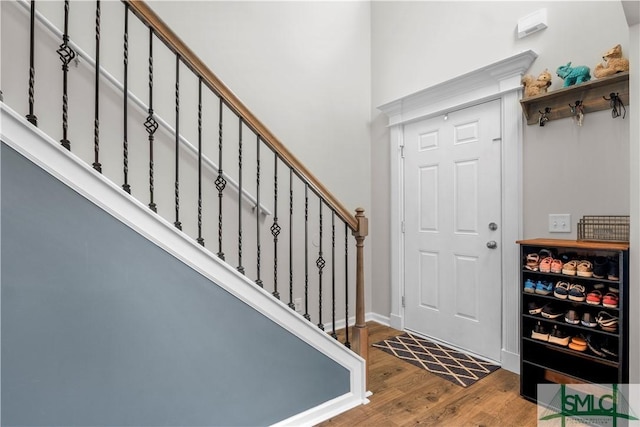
x=363, y=224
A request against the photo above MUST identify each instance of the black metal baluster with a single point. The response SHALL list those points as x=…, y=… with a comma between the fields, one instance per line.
x=200, y=240
x=258, y=280
x=291, y=303
x=306, y=252
x=151, y=124
x=177, y=223
x=221, y=183
x=96, y=122
x=125, y=141
x=240, y=268
x=31, y=117
x=275, y=227
x=66, y=56
x=320, y=263
x=346, y=286
x=333, y=275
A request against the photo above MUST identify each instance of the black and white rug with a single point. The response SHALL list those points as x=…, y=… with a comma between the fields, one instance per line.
x=457, y=367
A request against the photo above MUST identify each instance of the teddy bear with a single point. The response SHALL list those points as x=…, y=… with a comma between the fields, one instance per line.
x=612, y=63
x=573, y=75
x=533, y=86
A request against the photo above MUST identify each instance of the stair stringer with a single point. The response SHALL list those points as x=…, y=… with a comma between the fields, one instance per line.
x=42, y=150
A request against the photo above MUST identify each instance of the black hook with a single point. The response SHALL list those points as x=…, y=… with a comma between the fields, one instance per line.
x=616, y=105
x=544, y=116
x=578, y=111
x=575, y=109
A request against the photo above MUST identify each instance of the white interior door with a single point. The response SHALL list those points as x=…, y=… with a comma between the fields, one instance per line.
x=452, y=229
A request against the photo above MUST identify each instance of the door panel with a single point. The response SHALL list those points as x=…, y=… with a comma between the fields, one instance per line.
x=452, y=193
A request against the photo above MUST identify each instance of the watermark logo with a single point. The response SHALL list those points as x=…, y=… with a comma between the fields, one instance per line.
x=613, y=405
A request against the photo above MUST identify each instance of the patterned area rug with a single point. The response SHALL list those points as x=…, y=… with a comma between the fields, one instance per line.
x=457, y=367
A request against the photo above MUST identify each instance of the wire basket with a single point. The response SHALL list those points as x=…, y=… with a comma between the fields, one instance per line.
x=604, y=228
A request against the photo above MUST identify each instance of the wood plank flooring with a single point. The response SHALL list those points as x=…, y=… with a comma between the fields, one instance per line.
x=405, y=395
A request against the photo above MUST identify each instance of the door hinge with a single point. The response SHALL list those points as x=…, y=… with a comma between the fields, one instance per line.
x=402, y=151
x=403, y=303
x=402, y=227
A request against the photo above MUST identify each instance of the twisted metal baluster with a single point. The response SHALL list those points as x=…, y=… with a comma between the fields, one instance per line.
x=346, y=286
x=96, y=122
x=150, y=124
x=320, y=263
x=275, y=227
x=306, y=252
x=221, y=183
x=66, y=56
x=291, y=303
x=240, y=268
x=200, y=240
x=258, y=280
x=125, y=140
x=333, y=275
x=31, y=117
x=177, y=223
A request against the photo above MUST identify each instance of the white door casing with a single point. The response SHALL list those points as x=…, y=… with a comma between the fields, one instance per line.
x=452, y=229
x=499, y=80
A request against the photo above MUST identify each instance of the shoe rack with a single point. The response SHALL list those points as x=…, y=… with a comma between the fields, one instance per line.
x=554, y=348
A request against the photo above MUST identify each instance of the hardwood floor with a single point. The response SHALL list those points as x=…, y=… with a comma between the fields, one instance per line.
x=405, y=395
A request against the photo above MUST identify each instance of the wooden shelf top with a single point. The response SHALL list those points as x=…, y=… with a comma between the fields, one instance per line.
x=590, y=93
x=578, y=244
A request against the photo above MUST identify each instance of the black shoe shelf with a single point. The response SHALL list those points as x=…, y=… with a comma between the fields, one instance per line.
x=544, y=362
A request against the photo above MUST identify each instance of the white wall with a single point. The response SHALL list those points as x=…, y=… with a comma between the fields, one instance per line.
x=302, y=68
x=418, y=44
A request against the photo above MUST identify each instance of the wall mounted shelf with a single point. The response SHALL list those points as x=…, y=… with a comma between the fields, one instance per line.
x=590, y=94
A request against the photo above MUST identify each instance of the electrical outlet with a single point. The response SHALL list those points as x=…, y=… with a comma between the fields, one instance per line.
x=560, y=223
x=298, y=304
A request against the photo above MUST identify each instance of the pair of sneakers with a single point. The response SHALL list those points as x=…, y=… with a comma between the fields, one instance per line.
x=605, y=267
x=541, y=287
x=556, y=336
x=573, y=291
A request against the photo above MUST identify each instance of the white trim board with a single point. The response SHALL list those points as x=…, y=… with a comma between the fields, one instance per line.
x=42, y=150
x=500, y=80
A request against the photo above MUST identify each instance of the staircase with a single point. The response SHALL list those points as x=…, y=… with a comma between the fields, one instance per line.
x=262, y=248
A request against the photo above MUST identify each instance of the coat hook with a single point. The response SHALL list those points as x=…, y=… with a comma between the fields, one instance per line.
x=616, y=105
x=544, y=117
x=578, y=112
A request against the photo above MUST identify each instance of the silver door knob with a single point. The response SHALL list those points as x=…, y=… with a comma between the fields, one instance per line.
x=492, y=244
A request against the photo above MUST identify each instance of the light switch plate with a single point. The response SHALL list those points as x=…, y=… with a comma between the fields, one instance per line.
x=560, y=223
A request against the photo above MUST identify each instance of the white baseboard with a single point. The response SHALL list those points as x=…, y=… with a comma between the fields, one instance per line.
x=324, y=412
x=373, y=317
x=378, y=318
x=511, y=362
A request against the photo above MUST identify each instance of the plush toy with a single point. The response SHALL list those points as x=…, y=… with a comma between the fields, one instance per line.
x=573, y=75
x=612, y=63
x=533, y=86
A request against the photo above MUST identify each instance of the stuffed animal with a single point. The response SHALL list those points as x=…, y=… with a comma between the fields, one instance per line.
x=573, y=75
x=612, y=63
x=533, y=86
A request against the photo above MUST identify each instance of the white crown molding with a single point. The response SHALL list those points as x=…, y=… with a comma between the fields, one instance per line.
x=461, y=91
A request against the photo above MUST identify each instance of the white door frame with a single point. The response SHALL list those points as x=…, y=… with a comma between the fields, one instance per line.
x=500, y=80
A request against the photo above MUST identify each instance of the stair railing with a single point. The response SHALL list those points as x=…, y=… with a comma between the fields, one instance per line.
x=304, y=190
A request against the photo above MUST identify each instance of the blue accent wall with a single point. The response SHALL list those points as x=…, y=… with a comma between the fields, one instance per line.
x=102, y=327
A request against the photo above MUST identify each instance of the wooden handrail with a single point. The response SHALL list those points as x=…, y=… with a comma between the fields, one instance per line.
x=191, y=60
